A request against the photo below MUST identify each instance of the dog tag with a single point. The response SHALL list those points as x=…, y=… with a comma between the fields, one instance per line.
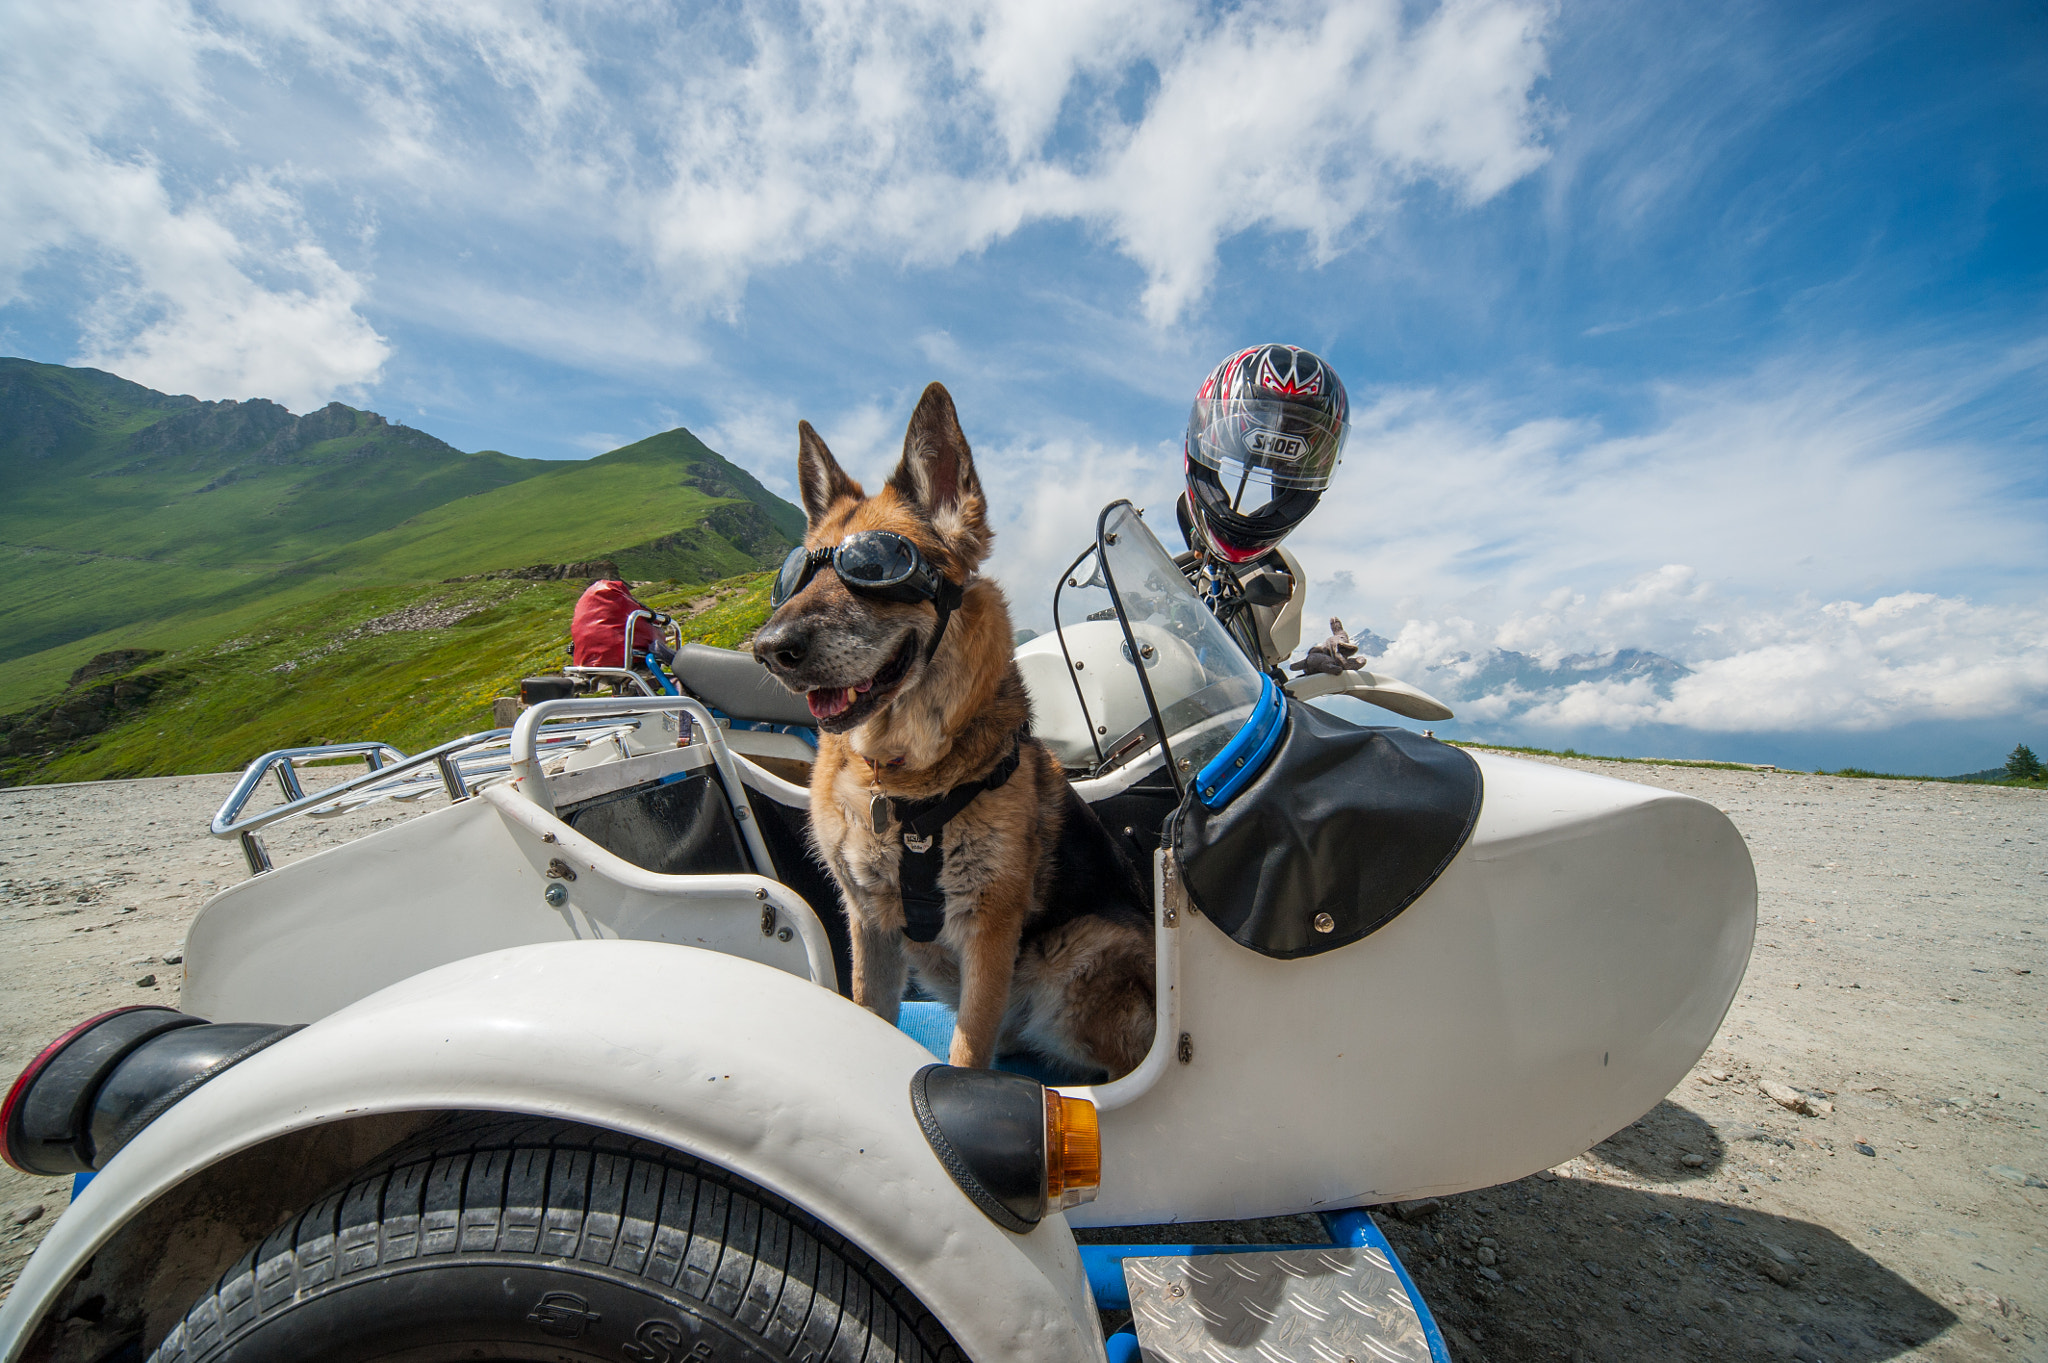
x=878, y=813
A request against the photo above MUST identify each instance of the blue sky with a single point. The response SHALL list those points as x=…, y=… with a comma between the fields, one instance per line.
x=1715, y=329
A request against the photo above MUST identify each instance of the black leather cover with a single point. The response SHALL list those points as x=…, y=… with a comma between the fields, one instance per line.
x=1346, y=820
x=735, y=683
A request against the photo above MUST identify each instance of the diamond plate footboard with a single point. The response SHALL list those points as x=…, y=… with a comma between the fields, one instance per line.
x=1323, y=1305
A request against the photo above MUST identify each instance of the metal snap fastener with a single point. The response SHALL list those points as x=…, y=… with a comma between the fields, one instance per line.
x=556, y=894
x=1325, y=923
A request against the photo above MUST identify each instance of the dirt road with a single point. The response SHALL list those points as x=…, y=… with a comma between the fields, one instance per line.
x=1897, y=990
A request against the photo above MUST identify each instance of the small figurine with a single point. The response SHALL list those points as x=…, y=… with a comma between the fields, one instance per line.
x=1334, y=656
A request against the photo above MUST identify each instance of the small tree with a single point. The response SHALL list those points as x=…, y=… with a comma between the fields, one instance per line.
x=2022, y=765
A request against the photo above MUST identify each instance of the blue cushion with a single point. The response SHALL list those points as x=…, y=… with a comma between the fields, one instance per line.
x=930, y=1025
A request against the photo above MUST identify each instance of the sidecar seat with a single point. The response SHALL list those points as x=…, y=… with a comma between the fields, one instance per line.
x=735, y=683
x=930, y=1025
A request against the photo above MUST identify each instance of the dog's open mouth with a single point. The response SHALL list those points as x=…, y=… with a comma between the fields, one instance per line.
x=838, y=708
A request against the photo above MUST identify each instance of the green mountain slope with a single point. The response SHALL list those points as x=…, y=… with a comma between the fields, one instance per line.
x=135, y=519
x=642, y=506
x=219, y=483
x=412, y=665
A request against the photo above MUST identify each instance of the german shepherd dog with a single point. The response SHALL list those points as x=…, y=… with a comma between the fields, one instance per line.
x=1046, y=942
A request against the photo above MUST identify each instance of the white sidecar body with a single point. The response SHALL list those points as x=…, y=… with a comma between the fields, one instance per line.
x=1549, y=987
x=1537, y=986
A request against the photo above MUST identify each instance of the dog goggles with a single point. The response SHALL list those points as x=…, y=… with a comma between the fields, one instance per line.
x=874, y=563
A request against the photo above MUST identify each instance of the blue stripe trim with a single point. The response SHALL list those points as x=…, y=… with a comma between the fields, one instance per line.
x=1245, y=755
x=805, y=732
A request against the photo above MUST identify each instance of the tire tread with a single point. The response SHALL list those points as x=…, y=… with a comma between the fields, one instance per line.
x=585, y=1199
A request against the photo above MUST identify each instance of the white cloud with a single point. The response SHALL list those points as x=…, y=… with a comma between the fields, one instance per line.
x=1837, y=665
x=548, y=324
x=618, y=149
x=1840, y=666
x=1740, y=531
x=225, y=297
x=867, y=127
x=1044, y=499
x=222, y=291
x=1831, y=476
x=1309, y=129
x=1797, y=536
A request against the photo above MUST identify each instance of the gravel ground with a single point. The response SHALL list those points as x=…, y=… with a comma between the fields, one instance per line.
x=97, y=884
x=1895, y=993
x=1896, y=988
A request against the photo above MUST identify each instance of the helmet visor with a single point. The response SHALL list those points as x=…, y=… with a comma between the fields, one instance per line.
x=1295, y=444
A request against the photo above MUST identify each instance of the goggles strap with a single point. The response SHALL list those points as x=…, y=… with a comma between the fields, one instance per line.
x=947, y=600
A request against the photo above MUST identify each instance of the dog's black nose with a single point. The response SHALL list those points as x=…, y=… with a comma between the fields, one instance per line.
x=782, y=646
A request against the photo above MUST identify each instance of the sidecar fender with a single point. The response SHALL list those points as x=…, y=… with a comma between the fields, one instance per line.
x=747, y=1067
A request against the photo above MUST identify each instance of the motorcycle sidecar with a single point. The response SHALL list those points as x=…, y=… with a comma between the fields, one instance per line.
x=611, y=950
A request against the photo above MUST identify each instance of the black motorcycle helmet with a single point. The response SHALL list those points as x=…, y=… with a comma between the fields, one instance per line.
x=1263, y=439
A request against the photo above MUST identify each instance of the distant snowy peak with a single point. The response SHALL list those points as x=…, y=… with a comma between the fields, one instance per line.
x=1624, y=663
x=1468, y=676
x=1370, y=645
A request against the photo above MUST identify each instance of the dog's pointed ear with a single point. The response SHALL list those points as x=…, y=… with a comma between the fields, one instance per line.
x=937, y=476
x=820, y=480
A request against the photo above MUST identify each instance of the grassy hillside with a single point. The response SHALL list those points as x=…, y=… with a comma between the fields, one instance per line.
x=140, y=520
x=640, y=506
x=412, y=665
x=126, y=505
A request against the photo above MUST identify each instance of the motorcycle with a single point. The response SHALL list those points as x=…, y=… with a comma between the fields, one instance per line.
x=563, y=1065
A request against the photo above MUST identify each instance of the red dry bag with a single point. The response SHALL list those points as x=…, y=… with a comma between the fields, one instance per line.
x=597, y=631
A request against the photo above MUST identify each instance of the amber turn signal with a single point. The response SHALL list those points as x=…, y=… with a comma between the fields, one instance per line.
x=1073, y=1150
x=1017, y=1149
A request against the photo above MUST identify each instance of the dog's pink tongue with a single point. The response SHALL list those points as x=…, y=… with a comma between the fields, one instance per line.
x=828, y=701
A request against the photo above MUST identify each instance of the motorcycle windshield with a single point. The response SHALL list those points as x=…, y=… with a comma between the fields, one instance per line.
x=1198, y=680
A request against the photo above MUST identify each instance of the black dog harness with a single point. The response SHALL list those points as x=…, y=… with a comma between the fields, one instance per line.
x=923, y=857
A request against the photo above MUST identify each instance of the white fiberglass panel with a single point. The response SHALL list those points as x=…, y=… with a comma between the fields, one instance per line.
x=1565, y=971
x=759, y=1073
x=312, y=936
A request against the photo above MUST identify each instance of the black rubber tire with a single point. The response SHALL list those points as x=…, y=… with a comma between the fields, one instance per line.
x=515, y=1239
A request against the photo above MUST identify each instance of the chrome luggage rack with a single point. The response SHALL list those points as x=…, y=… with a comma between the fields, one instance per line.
x=459, y=768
